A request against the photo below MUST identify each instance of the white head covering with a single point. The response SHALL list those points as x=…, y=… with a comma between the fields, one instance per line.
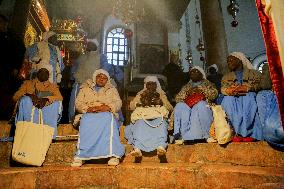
x=94, y=41
x=213, y=66
x=152, y=79
x=199, y=69
x=101, y=71
x=243, y=58
x=47, y=35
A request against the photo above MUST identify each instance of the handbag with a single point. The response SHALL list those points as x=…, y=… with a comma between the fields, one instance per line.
x=223, y=131
x=31, y=141
x=193, y=99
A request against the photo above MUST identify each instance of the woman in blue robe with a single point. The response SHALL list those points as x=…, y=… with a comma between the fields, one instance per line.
x=149, y=135
x=98, y=102
x=193, y=123
x=41, y=94
x=46, y=52
x=83, y=69
x=268, y=111
x=239, y=88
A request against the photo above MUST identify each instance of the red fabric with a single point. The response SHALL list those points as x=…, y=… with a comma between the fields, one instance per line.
x=193, y=99
x=272, y=56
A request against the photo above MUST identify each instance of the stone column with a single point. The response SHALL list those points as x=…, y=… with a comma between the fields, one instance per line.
x=214, y=34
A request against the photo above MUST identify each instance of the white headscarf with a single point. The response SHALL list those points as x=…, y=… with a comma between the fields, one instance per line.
x=243, y=58
x=94, y=41
x=47, y=35
x=213, y=66
x=101, y=71
x=201, y=71
x=153, y=79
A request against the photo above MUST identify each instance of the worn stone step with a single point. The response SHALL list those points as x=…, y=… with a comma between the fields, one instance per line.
x=252, y=154
x=62, y=129
x=148, y=175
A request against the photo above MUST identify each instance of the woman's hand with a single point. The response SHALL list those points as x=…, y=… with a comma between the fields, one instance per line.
x=101, y=108
x=42, y=103
x=237, y=90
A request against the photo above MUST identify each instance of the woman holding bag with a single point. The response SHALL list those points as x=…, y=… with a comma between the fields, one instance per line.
x=148, y=133
x=192, y=114
x=41, y=94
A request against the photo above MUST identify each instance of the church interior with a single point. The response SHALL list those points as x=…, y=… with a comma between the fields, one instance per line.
x=128, y=42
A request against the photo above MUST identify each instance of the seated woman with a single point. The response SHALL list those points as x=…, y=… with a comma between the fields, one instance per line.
x=192, y=120
x=42, y=94
x=99, y=102
x=215, y=77
x=149, y=135
x=268, y=111
x=240, y=87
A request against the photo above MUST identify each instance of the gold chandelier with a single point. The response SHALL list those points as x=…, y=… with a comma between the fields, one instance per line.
x=129, y=11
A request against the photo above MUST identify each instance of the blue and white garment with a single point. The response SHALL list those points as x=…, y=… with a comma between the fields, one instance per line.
x=118, y=75
x=148, y=135
x=145, y=137
x=51, y=113
x=270, y=119
x=48, y=54
x=99, y=137
x=192, y=123
x=242, y=112
x=98, y=132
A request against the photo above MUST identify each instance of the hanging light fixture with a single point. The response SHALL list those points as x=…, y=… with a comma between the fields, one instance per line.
x=233, y=9
x=129, y=11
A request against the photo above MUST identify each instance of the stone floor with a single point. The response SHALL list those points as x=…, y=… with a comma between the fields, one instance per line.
x=201, y=165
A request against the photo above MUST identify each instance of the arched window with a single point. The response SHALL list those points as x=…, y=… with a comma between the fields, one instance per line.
x=116, y=47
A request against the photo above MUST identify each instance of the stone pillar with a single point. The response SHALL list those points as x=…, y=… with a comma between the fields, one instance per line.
x=214, y=34
x=20, y=17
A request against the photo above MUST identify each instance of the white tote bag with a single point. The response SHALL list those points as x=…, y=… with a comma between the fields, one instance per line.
x=31, y=141
x=223, y=131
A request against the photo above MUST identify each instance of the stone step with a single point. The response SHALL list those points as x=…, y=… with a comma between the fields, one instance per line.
x=147, y=175
x=64, y=131
x=251, y=154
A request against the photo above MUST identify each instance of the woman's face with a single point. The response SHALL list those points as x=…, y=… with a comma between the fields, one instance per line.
x=195, y=75
x=43, y=75
x=151, y=86
x=234, y=63
x=101, y=80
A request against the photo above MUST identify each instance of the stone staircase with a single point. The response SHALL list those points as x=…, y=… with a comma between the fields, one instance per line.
x=201, y=165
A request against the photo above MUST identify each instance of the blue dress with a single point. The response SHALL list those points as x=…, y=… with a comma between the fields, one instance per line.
x=147, y=137
x=99, y=137
x=242, y=113
x=270, y=119
x=192, y=123
x=51, y=113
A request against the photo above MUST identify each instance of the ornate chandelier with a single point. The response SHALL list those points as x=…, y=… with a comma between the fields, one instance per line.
x=129, y=11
